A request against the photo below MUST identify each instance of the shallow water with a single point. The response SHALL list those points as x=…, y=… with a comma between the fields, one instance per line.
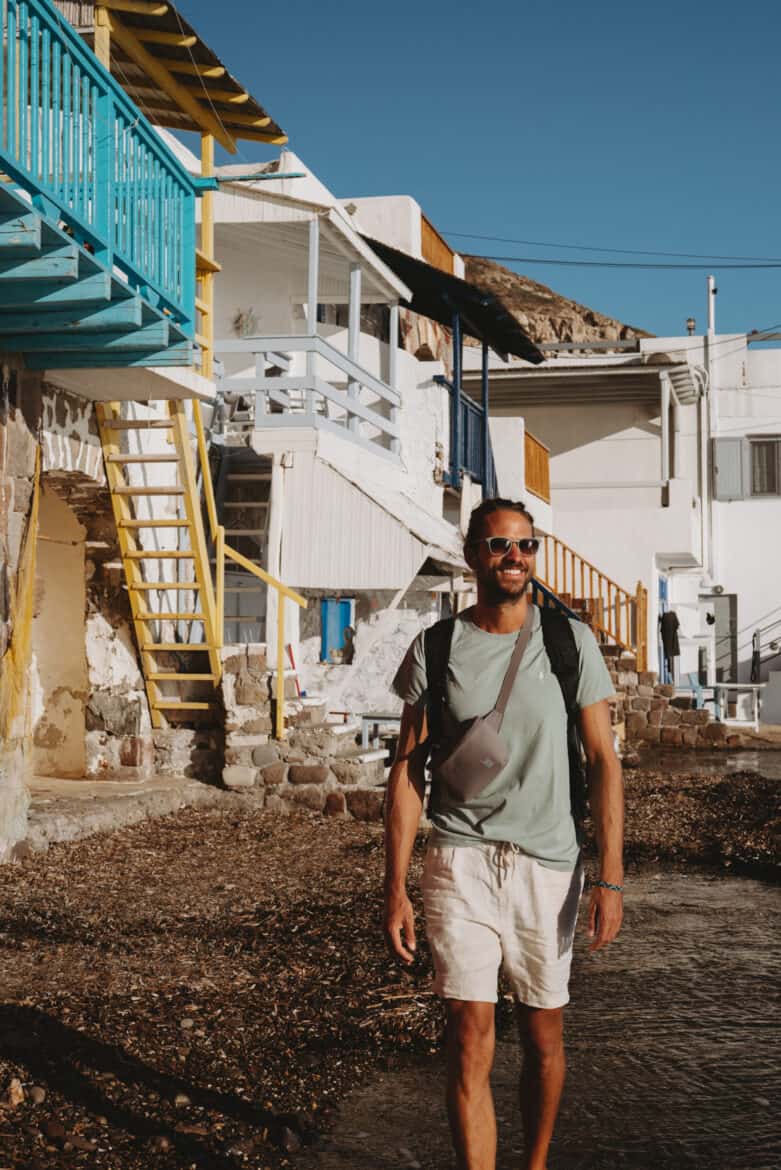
x=697, y=763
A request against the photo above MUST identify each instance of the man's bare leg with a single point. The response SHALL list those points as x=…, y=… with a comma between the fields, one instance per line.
x=470, y=1105
x=542, y=1079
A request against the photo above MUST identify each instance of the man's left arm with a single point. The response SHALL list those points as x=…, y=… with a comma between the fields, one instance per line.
x=606, y=794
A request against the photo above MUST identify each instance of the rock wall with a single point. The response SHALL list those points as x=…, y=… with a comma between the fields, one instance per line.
x=645, y=711
x=318, y=765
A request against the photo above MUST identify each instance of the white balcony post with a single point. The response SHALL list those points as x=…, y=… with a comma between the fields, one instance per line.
x=393, y=346
x=274, y=554
x=261, y=404
x=354, y=335
x=393, y=367
x=313, y=281
x=665, y=420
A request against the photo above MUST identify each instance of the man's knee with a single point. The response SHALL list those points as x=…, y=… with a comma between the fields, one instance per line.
x=470, y=1027
x=542, y=1032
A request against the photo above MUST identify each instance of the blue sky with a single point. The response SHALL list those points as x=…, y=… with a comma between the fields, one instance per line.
x=607, y=124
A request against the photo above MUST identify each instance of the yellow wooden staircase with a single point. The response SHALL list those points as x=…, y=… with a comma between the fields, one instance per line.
x=616, y=615
x=154, y=571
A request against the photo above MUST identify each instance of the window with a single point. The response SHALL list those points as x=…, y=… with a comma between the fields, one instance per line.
x=765, y=467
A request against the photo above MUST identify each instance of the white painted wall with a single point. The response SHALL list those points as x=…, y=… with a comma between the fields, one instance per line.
x=392, y=219
x=748, y=559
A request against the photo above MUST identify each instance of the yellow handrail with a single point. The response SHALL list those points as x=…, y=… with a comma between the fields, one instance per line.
x=283, y=591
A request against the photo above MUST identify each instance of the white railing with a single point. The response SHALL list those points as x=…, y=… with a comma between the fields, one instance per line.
x=306, y=381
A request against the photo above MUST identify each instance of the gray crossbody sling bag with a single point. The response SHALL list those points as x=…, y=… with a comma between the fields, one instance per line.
x=477, y=757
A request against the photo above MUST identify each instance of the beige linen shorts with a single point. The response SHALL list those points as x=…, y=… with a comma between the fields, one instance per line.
x=489, y=906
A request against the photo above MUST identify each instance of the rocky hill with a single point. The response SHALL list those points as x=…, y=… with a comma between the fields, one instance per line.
x=543, y=313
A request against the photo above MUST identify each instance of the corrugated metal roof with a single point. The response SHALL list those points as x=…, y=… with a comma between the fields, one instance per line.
x=355, y=542
x=175, y=46
x=437, y=295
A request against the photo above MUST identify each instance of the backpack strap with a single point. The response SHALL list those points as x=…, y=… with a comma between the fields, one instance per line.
x=562, y=650
x=436, y=646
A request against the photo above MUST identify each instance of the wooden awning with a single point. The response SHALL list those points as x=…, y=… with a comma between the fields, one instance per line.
x=174, y=78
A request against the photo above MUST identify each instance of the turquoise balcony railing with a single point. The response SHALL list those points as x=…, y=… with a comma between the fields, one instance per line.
x=91, y=163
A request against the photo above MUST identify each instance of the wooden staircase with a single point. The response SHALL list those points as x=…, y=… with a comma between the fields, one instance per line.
x=243, y=490
x=616, y=616
x=164, y=556
x=63, y=308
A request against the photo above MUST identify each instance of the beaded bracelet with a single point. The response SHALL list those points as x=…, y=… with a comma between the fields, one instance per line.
x=607, y=886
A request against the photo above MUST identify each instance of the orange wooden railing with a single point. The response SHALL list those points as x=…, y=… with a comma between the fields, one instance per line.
x=611, y=610
x=434, y=249
x=536, y=467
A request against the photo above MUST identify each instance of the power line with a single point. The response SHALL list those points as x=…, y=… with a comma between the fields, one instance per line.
x=619, y=263
x=614, y=251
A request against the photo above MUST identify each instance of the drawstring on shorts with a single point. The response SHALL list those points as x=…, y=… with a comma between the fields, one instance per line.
x=505, y=852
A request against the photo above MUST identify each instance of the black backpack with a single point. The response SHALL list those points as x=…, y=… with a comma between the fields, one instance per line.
x=562, y=651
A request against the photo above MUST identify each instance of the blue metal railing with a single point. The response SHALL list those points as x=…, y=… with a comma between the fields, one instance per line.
x=467, y=448
x=545, y=599
x=73, y=139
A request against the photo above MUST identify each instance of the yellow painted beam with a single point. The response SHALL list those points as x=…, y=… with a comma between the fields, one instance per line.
x=154, y=37
x=177, y=92
x=206, y=330
x=206, y=476
x=140, y=7
x=222, y=95
x=192, y=504
x=102, y=42
x=206, y=263
x=252, y=135
x=191, y=67
x=249, y=120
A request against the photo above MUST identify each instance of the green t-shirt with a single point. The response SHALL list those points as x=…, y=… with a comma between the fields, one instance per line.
x=528, y=803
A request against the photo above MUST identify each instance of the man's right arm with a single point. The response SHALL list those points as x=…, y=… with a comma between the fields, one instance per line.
x=404, y=804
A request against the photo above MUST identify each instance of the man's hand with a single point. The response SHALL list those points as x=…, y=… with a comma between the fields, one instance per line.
x=605, y=912
x=399, y=927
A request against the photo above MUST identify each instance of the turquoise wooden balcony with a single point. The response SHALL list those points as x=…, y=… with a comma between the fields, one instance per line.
x=97, y=216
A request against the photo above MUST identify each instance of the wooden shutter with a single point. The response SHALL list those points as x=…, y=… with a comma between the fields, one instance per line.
x=731, y=469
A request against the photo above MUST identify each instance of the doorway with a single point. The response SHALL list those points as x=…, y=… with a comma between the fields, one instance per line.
x=725, y=611
x=59, y=676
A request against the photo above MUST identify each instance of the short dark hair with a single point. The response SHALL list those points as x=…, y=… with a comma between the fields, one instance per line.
x=496, y=504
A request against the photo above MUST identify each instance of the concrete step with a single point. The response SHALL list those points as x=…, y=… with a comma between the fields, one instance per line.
x=325, y=740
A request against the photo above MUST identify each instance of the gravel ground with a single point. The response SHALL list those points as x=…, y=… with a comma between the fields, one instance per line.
x=203, y=990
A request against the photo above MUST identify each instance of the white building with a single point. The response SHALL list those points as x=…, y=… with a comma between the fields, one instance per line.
x=665, y=463
x=344, y=470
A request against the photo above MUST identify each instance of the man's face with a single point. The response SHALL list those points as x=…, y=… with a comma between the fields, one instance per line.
x=505, y=576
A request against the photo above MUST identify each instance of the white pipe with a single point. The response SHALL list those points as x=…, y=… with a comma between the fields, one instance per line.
x=712, y=291
x=274, y=555
x=710, y=427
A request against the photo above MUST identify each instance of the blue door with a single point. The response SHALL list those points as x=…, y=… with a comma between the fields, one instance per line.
x=335, y=617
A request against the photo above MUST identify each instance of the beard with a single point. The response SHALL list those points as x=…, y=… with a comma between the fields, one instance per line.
x=497, y=591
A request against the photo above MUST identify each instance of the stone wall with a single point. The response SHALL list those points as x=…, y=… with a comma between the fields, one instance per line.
x=646, y=711
x=318, y=765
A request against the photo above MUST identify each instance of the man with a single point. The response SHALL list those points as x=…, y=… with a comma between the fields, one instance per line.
x=502, y=876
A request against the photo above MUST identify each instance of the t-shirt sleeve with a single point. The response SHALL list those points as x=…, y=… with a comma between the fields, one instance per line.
x=409, y=682
x=594, y=681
